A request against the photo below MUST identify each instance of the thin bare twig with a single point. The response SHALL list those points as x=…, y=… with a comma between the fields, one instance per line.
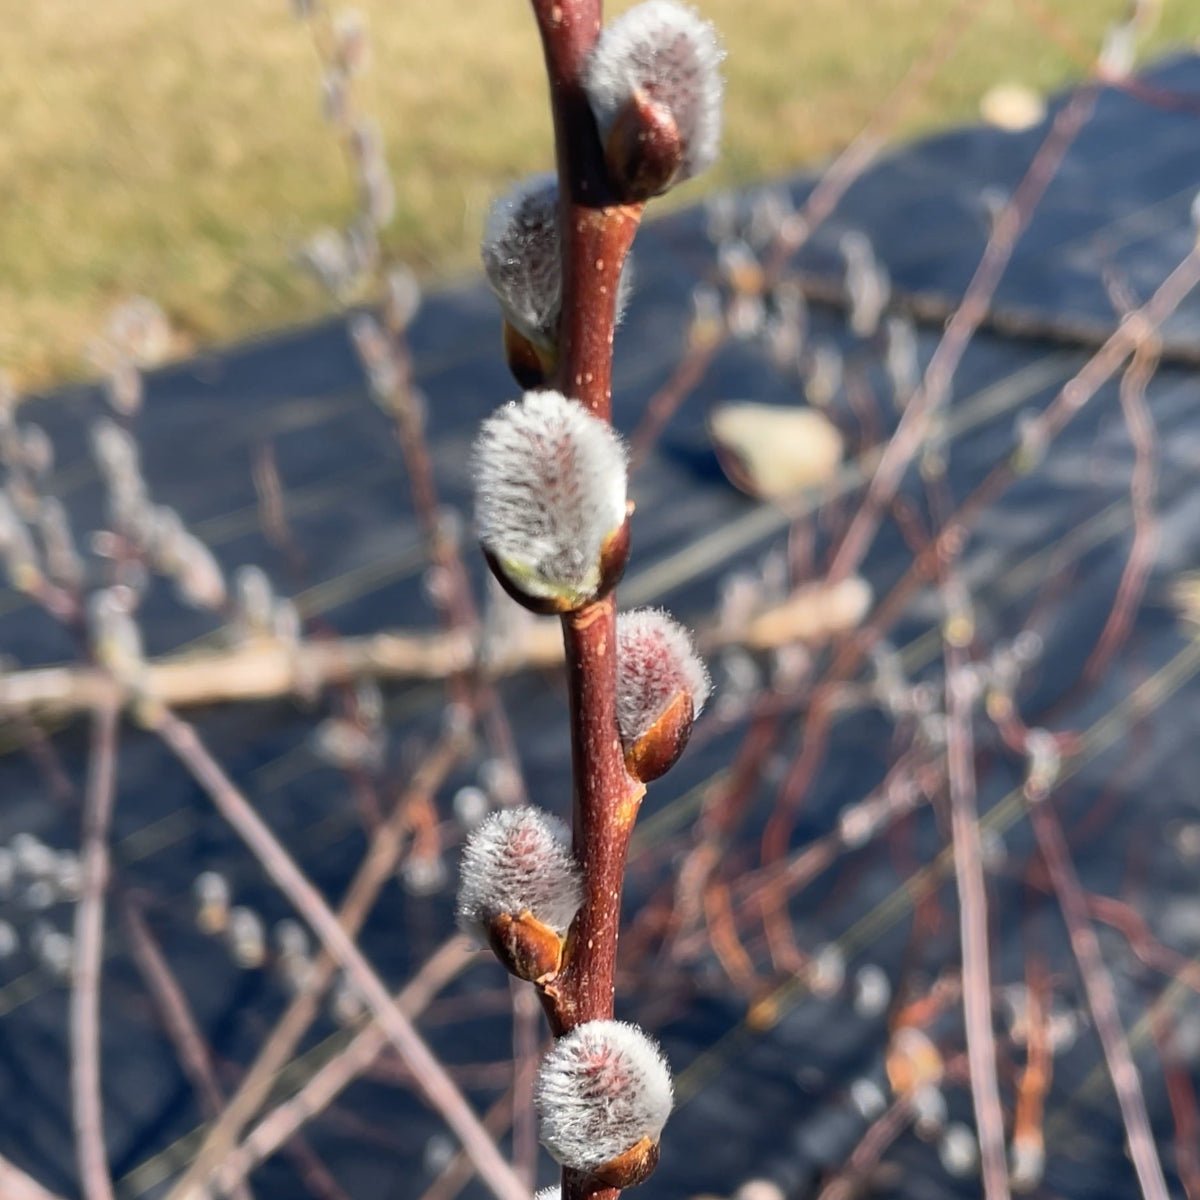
x=1140, y=423
x=865, y=1158
x=86, y=1100
x=285, y=1120
x=1101, y=998
x=16, y=1185
x=1182, y=1097
x=176, y=1015
x=268, y=670
x=458, y=1171
x=973, y=922
x=863, y=150
x=527, y=1045
x=437, y=1087
x=1040, y=433
x=662, y=406
x=377, y=867
x=939, y=374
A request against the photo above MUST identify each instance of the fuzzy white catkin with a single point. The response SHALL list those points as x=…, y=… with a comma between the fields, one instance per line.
x=549, y=489
x=522, y=258
x=656, y=660
x=671, y=55
x=550, y=1193
x=600, y=1090
x=519, y=860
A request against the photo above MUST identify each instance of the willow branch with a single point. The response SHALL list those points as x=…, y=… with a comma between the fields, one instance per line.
x=267, y=670
x=16, y=1185
x=436, y=1085
x=1101, y=999
x=377, y=867
x=939, y=374
x=177, y=1016
x=973, y=926
x=284, y=1121
x=596, y=235
x=86, y=1099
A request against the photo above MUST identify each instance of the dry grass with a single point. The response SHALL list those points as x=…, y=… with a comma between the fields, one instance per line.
x=176, y=149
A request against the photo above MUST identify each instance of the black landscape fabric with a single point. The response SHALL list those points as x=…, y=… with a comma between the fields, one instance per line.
x=771, y=1098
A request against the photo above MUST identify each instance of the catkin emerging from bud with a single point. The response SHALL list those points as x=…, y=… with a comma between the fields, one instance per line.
x=662, y=685
x=520, y=888
x=550, y=501
x=603, y=1095
x=521, y=257
x=657, y=62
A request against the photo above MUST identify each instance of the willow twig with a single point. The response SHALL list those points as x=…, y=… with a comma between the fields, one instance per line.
x=86, y=1099
x=435, y=1084
x=596, y=232
x=973, y=927
x=867, y=1154
x=1102, y=1000
x=267, y=670
x=970, y=313
x=176, y=1016
x=16, y=1185
x=1142, y=488
x=376, y=869
x=323, y=1087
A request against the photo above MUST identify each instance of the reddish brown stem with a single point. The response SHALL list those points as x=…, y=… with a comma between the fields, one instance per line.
x=606, y=804
x=596, y=230
x=596, y=234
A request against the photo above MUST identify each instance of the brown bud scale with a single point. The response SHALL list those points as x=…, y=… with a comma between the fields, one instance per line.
x=531, y=365
x=527, y=948
x=658, y=749
x=635, y=1166
x=643, y=149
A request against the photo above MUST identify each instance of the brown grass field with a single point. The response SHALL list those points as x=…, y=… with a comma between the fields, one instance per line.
x=177, y=150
